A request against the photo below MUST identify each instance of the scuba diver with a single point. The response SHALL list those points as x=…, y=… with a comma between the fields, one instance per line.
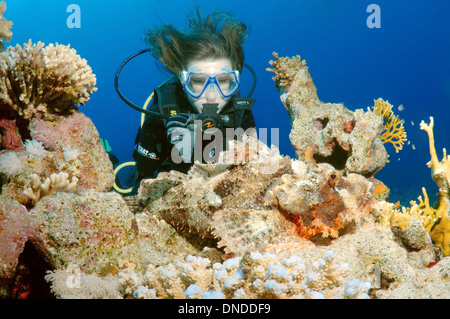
x=201, y=98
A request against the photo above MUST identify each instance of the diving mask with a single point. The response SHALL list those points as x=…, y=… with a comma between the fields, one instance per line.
x=195, y=84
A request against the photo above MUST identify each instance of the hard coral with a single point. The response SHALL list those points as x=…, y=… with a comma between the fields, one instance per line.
x=254, y=275
x=52, y=184
x=285, y=69
x=282, y=207
x=5, y=26
x=435, y=218
x=328, y=132
x=440, y=228
x=393, y=132
x=44, y=82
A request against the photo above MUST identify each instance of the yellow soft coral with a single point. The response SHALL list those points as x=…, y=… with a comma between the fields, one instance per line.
x=393, y=132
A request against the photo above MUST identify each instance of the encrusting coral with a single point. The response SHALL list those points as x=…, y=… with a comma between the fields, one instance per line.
x=5, y=26
x=44, y=82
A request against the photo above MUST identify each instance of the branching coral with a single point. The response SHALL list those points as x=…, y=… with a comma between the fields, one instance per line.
x=285, y=69
x=440, y=230
x=255, y=275
x=44, y=82
x=436, y=220
x=51, y=185
x=5, y=26
x=393, y=132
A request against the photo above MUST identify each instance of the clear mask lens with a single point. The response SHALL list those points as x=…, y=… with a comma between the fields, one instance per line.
x=196, y=83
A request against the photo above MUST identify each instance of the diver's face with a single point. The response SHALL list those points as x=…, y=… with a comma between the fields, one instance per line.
x=211, y=94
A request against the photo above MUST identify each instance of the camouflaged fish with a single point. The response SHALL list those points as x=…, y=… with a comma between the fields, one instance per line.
x=254, y=198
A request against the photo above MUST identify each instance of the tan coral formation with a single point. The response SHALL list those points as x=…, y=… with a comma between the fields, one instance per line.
x=276, y=211
x=52, y=184
x=5, y=26
x=44, y=82
x=254, y=275
x=327, y=132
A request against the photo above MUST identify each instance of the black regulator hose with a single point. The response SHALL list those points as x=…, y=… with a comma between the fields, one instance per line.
x=254, y=79
x=140, y=109
x=116, y=86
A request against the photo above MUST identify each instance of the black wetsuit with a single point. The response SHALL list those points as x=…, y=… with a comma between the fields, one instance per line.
x=153, y=150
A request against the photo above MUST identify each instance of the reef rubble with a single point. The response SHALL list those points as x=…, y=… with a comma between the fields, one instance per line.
x=255, y=224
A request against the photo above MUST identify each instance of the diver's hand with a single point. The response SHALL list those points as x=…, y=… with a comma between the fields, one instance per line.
x=176, y=126
x=181, y=133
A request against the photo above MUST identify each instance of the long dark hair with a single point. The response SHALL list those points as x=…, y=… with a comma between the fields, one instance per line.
x=218, y=35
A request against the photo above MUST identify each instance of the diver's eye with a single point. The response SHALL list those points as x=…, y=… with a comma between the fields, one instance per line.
x=197, y=82
x=224, y=81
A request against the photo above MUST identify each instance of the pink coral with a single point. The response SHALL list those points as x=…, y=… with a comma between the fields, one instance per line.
x=10, y=138
x=77, y=131
x=16, y=229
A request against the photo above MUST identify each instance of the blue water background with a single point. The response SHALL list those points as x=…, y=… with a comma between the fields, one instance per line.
x=406, y=61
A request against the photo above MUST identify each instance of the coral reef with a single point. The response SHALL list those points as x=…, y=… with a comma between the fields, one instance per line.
x=44, y=82
x=358, y=267
x=254, y=275
x=282, y=208
x=253, y=225
x=5, y=26
x=71, y=145
x=394, y=132
x=435, y=219
x=328, y=132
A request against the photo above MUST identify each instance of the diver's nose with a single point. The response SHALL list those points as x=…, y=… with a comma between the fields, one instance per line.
x=211, y=93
